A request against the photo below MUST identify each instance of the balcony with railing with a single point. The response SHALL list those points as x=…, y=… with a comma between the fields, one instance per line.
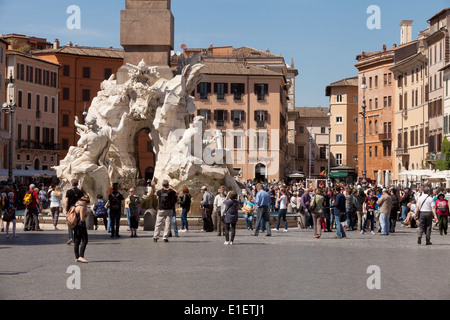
x=402, y=151
x=34, y=145
x=387, y=136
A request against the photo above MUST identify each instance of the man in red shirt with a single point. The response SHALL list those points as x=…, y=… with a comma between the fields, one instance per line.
x=32, y=211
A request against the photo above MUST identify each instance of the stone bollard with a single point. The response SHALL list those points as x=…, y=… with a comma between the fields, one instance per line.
x=149, y=220
x=90, y=220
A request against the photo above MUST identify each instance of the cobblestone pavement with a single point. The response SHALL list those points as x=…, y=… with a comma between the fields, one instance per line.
x=198, y=266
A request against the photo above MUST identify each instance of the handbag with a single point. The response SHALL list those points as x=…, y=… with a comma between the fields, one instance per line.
x=418, y=213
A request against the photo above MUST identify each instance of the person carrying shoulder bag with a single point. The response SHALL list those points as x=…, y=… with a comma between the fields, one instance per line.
x=316, y=208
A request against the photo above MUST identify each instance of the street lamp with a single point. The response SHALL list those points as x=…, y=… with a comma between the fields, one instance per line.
x=364, y=173
x=329, y=149
x=10, y=108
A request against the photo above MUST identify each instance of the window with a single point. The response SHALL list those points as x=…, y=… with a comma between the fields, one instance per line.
x=204, y=88
x=108, y=73
x=261, y=117
x=261, y=90
x=20, y=72
x=205, y=114
x=65, y=144
x=238, y=89
x=237, y=116
x=66, y=70
x=65, y=120
x=339, y=138
x=45, y=104
x=339, y=159
x=237, y=142
x=53, y=105
x=66, y=93
x=38, y=76
x=339, y=98
x=339, y=119
x=301, y=152
x=322, y=153
x=376, y=81
x=29, y=73
x=389, y=101
x=355, y=137
x=376, y=103
x=86, y=95
x=86, y=72
x=220, y=116
x=260, y=141
x=221, y=89
x=20, y=99
x=322, y=130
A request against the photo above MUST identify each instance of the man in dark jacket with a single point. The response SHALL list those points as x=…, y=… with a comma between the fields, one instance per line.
x=338, y=205
x=404, y=203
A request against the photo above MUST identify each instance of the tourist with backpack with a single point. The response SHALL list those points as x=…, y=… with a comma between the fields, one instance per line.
x=80, y=234
x=31, y=200
x=72, y=196
x=132, y=207
x=55, y=204
x=442, y=213
x=100, y=212
x=115, y=210
x=167, y=199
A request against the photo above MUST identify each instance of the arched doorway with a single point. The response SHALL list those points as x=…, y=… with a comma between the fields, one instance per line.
x=36, y=164
x=145, y=156
x=260, y=172
x=149, y=173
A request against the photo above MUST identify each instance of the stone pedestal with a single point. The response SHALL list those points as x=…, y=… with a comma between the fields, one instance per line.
x=90, y=220
x=146, y=32
x=149, y=220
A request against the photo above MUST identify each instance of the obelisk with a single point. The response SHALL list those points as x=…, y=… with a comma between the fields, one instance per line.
x=147, y=32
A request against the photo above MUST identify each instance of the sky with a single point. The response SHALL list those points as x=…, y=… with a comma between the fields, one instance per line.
x=323, y=37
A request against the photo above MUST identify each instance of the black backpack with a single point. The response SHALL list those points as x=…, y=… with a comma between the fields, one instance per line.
x=114, y=203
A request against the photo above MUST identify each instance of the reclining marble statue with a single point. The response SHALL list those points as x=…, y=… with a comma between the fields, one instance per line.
x=107, y=153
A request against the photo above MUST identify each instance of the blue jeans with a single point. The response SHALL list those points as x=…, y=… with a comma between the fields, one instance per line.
x=282, y=214
x=248, y=221
x=127, y=210
x=184, y=221
x=263, y=216
x=384, y=222
x=370, y=215
x=340, y=232
x=109, y=221
x=405, y=211
x=349, y=219
x=174, y=222
x=115, y=222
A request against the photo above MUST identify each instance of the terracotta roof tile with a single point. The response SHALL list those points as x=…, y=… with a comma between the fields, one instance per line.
x=235, y=68
x=86, y=51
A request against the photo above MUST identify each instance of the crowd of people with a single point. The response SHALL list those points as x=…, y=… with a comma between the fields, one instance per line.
x=343, y=207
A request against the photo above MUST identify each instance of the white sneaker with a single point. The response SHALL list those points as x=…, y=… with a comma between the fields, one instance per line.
x=372, y=232
x=226, y=243
x=362, y=232
x=285, y=230
x=275, y=229
x=230, y=243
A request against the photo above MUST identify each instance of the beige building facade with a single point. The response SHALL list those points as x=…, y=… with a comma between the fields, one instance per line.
x=411, y=126
x=438, y=57
x=35, y=122
x=245, y=95
x=4, y=134
x=344, y=122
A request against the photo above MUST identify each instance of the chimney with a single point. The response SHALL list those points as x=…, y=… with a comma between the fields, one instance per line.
x=405, y=31
x=384, y=47
x=56, y=44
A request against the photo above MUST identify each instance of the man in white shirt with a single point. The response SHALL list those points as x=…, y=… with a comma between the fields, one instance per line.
x=217, y=211
x=426, y=207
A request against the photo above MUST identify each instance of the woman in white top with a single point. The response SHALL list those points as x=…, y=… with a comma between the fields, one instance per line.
x=282, y=201
x=55, y=204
